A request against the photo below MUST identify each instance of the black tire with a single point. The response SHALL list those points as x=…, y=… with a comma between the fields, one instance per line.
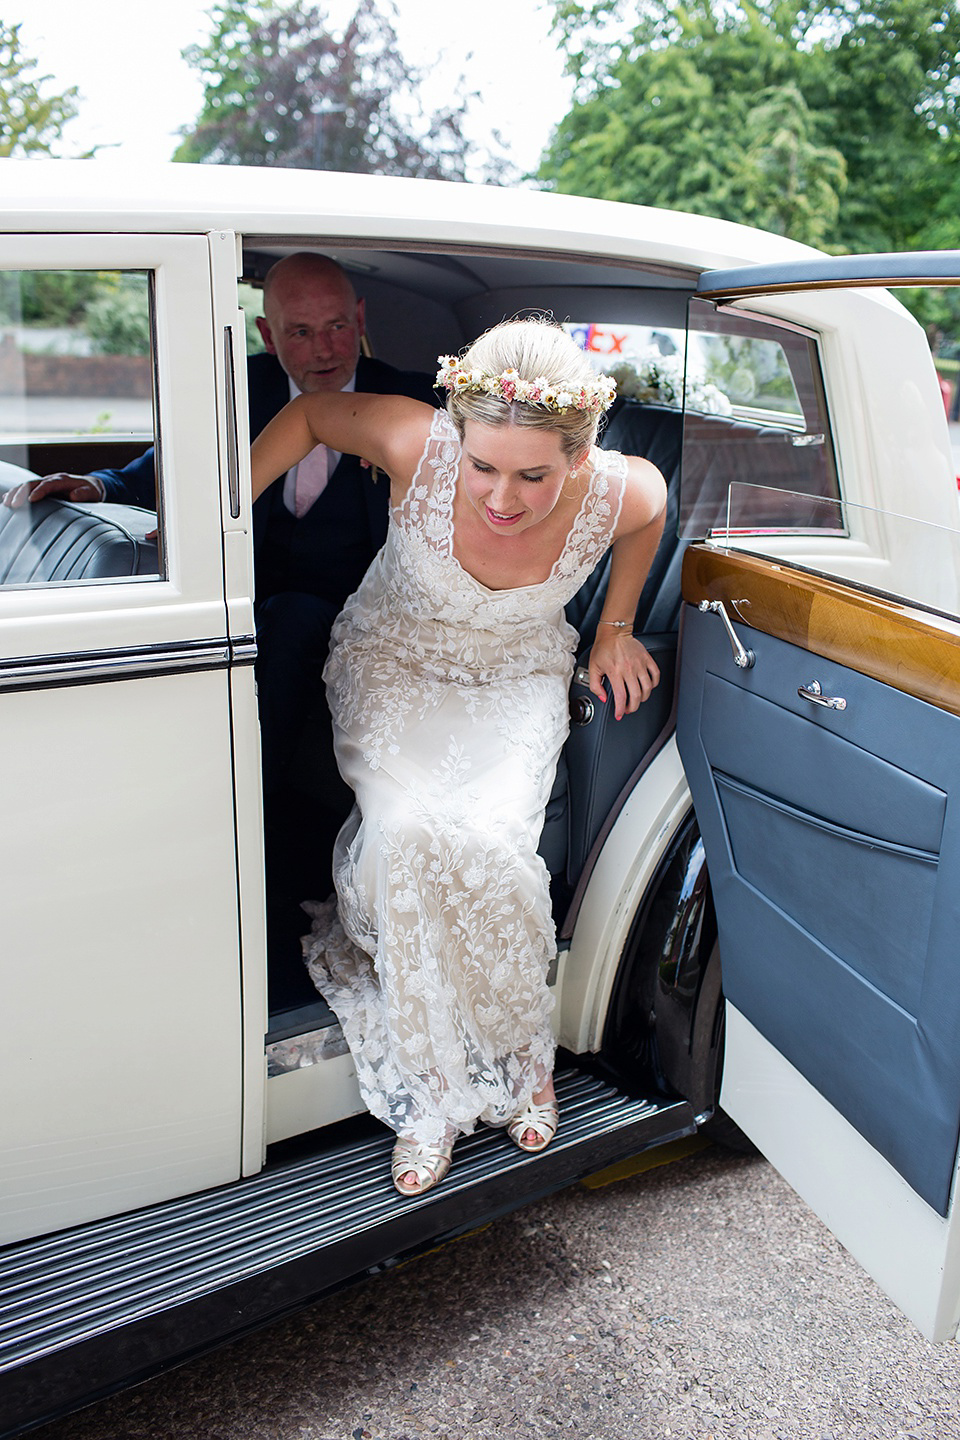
x=720, y=1128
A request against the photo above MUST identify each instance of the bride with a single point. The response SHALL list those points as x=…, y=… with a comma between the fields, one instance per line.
x=447, y=679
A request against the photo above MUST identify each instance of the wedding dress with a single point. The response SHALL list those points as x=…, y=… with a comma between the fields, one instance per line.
x=449, y=703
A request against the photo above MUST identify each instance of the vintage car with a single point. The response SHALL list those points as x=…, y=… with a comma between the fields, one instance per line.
x=179, y=1165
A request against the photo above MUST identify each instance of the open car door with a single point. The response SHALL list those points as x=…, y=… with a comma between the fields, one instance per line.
x=819, y=725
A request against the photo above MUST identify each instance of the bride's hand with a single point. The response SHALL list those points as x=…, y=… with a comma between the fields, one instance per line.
x=630, y=669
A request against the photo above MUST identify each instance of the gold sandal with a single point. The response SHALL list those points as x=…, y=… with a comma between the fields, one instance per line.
x=542, y=1119
x=428, y=1162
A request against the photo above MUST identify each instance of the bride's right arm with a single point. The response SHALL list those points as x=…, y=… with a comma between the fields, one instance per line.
x=384, y=429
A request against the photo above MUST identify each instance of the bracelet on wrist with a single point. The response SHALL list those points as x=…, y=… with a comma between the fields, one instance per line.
x=618, y=624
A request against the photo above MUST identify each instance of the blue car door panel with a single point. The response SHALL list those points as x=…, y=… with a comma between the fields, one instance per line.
x=833, y=841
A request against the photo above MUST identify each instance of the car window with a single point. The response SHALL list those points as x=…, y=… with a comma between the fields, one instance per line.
x=645, y=360
x=753, y=408
x=77, y=397
x=754, y=411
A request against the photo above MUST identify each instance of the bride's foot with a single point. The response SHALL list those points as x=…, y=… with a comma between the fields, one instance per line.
x=535, y=1126
x=417, y=1168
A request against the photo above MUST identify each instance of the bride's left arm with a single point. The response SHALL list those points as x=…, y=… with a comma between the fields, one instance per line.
x=630, y=670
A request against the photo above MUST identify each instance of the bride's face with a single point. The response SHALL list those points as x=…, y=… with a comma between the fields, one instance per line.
x=512, y=477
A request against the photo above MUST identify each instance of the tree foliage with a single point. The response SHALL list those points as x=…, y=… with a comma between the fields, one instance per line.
x=31, y=122
x=834, y=122
x=117, y=319
x=283, y=88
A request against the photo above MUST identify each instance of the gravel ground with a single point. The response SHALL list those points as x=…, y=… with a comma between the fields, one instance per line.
x=699, y=1300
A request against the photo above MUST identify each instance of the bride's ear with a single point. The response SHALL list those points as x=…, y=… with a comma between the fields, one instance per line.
x=581, y=458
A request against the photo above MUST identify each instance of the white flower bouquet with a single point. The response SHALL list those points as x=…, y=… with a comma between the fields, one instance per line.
x=658, y=380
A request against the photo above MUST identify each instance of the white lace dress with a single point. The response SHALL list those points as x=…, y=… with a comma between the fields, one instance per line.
x=449, y=703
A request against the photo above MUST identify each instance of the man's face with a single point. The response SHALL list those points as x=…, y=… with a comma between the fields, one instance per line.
x=314, y=328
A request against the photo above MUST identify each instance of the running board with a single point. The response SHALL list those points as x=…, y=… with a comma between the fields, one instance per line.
x=90, y=1310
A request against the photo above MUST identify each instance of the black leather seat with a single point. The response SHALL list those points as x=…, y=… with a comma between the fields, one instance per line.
x=656, y=433
x=57, y=540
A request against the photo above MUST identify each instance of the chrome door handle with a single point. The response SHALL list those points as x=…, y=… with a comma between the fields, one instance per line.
x=815, y=695
x=742, y=657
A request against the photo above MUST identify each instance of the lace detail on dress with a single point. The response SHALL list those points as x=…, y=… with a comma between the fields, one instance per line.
x=428, y=506
x=449, y=703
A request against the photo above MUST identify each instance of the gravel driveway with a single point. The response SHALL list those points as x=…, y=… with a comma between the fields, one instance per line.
x=699, y=1300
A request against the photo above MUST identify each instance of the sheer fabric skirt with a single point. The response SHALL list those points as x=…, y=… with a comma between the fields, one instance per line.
x=435, y=956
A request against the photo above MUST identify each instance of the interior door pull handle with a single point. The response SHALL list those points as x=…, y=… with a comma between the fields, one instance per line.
x=742, y=657
x=815, y=695
x=233, y=453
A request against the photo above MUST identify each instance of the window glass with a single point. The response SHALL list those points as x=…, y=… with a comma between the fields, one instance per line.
x=745, y=372
x=752, y=404
x=755, y=412
x=912, y=560
x=251, y=303
x=77, y=402
x=645, y=360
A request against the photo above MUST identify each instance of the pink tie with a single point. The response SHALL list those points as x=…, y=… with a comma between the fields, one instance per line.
x=311, y=479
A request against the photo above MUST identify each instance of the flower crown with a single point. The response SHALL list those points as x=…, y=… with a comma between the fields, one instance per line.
x=595, y=395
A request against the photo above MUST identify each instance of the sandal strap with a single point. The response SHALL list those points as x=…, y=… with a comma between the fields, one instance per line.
x=429, y=1163
x=542, y=1119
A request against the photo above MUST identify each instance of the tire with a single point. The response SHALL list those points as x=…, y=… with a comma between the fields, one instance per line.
x=720, y=1128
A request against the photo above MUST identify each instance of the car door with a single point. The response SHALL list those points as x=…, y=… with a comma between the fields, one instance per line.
x=121, y=1058
x=819, y=726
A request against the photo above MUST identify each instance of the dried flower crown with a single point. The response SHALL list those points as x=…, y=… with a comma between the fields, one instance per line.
x=595, y=395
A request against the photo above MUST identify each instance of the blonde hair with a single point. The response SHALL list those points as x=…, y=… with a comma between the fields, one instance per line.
x=535, y=350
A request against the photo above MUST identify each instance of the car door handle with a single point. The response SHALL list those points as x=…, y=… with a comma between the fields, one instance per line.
x=742, y=657
x=815, y=695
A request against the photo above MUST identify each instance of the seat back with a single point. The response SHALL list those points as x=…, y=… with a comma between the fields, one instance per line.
x=656, y=433
x=56, y=540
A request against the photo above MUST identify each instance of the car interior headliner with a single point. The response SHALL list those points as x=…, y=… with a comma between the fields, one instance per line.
x=421, y=302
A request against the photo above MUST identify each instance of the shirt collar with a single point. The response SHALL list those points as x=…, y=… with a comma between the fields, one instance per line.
x=350, y=386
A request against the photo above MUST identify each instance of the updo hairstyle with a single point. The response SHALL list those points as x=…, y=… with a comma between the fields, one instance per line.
x=535, y=349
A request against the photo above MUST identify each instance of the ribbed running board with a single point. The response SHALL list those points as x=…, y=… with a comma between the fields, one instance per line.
x=89, y=1310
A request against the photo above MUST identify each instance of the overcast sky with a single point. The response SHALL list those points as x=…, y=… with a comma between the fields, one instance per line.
x=136, y=91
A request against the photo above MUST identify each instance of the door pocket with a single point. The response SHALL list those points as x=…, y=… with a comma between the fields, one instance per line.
x=868, y=901
x=819, y=763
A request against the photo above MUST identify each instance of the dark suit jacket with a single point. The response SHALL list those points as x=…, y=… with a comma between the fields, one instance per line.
x=331, y=546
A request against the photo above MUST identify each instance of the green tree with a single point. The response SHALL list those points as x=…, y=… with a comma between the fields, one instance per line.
x=791, y=185
x=698, y=108
x=831, y=122
x=886, y=80
x=282, y=88
x=118, y=317
x=31, y=122
x=55, y=297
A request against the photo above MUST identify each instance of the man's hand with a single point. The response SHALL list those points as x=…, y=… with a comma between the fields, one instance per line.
x=72, y=487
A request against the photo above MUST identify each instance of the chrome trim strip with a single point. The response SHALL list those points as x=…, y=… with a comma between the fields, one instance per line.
x=243, y=650
x=38, y=672
x=301, y=1051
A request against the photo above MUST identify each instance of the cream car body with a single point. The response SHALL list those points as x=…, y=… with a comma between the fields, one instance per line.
x=134, y=954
